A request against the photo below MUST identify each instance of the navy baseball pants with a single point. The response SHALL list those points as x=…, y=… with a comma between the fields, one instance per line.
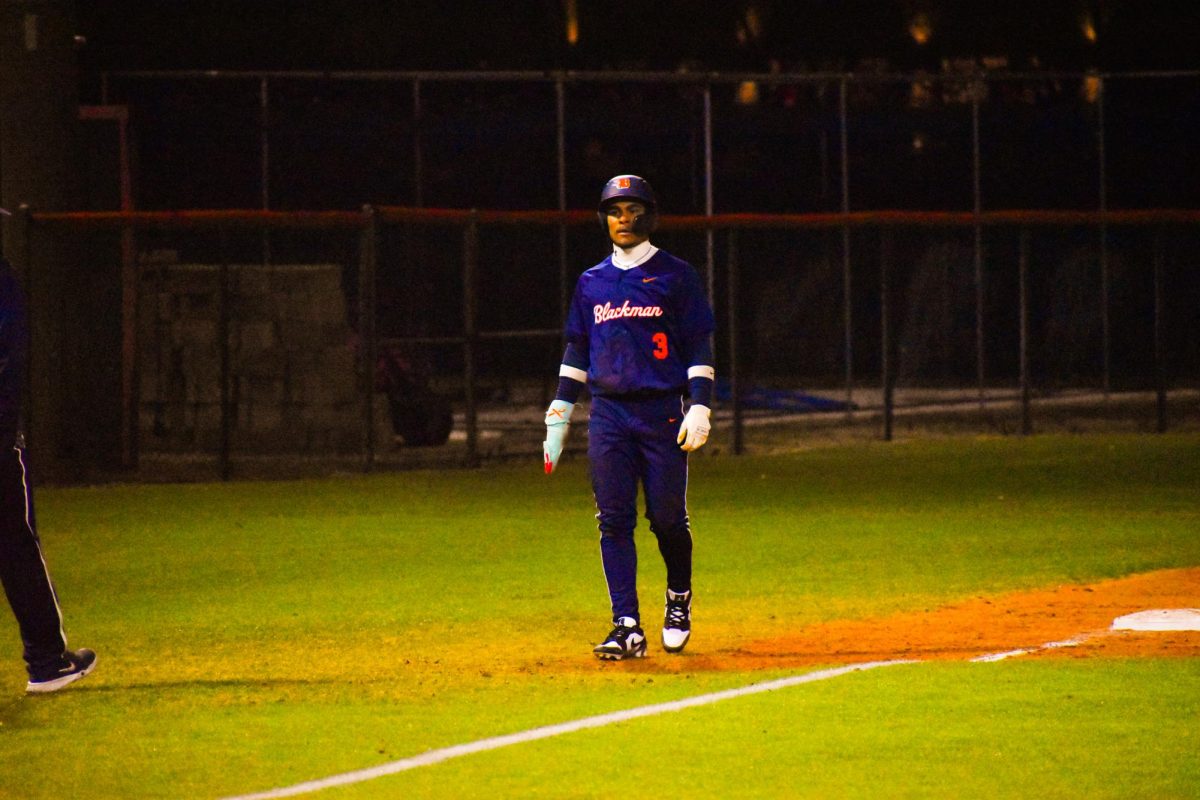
x=632, y=441
x=22, y=568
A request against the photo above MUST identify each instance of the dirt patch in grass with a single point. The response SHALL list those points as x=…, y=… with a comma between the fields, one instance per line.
x=977, y=627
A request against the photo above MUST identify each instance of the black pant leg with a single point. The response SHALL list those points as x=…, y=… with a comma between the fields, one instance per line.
x=22, y=567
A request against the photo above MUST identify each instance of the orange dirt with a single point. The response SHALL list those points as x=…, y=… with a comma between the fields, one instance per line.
x=976, y=627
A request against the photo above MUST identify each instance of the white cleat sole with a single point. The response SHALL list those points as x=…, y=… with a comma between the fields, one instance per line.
x=45, y=687
x=673, y=644
x=609, y=655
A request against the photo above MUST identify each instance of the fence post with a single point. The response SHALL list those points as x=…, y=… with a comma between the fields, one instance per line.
x=264, y=134
x=1102, y=179
x=1105, y=322
x=23, y=244
x=885, y=343
x=368, y=261
x=418, y=162
x=130, y=393
x=470, y=334
x=223, y=345
x=1023, y=303
x=735, y=380
x=976, y=171
x=564, y=288
x=847, y=299
x=710, y=258
x=1160, y=365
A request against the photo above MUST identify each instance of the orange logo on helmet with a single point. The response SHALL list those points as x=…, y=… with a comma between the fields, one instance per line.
x=623, y=183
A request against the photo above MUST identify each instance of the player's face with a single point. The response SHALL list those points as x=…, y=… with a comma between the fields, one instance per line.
x=620, y=216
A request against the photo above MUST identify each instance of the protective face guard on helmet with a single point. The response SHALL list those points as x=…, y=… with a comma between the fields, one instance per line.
x=630, y=187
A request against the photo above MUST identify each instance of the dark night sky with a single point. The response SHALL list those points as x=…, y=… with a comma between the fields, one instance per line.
x=807, y=34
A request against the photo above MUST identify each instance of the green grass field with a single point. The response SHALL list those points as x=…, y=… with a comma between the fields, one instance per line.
x=257, y=635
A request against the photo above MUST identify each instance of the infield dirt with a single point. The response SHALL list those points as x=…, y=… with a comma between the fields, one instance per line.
x=961, y=631
x=992, y=624
x=980, y=626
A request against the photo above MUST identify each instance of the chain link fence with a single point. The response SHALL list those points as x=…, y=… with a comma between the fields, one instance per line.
x=346, y=360
x=851, y=229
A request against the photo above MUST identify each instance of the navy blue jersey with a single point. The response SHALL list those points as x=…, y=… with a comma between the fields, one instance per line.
x=14, y=336
x=641, y=328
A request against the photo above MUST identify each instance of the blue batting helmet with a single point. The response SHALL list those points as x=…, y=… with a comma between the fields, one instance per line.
x=631, y=187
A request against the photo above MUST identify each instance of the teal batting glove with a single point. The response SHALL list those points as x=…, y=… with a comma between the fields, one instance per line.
x=558, y=421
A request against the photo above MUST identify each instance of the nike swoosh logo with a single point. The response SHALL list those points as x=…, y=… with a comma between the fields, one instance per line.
x=647, y=280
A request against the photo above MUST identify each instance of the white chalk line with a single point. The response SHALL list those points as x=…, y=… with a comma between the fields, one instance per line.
x=548, y=731
x=1074, y=641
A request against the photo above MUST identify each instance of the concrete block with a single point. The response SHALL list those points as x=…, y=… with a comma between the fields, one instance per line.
x=340, y=363
x=181, y=279
x=322, y=308
x=195, y=332
x=293, y=371
x=261, y=391
x=251, y=281
x=249, y=338
x=259, y=417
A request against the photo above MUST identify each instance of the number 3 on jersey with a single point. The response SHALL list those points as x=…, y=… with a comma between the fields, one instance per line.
x=660, y=345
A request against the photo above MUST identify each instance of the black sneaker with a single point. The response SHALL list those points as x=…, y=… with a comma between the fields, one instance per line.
x=73, y=665
x=627, y=640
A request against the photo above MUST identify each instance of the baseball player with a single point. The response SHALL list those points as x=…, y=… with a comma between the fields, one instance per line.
x=638, y=335
x=23, y=570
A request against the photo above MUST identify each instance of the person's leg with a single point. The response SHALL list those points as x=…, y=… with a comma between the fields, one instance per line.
x=665, y=476
x=23, y=569
x=614, y=467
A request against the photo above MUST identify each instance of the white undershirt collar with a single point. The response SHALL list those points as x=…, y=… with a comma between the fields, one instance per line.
x=635, y=257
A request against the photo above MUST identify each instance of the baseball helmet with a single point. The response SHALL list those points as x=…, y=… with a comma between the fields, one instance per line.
x=630, y=187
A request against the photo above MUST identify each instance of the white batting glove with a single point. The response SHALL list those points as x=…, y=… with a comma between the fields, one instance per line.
x=693, y=433
x=558, y=421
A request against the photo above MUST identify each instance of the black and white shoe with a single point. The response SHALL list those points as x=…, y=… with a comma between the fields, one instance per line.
x=627, y=640
x=677, y=623
x=73, y=665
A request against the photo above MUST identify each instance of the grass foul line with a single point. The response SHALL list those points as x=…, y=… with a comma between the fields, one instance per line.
x=548, y=731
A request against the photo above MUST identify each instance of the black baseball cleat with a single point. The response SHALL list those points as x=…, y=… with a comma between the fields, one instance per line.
x=73, y=665
x=677, y=623
x=627, y=640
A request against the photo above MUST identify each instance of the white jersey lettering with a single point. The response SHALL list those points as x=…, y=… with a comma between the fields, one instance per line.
x=606, y=312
